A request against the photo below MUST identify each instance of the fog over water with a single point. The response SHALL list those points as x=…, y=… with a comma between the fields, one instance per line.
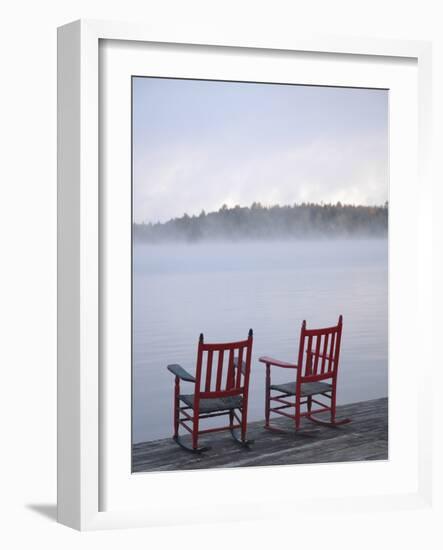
x=223, y=289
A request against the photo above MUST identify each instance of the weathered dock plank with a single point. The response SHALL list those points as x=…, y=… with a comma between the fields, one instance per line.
x=365, y=438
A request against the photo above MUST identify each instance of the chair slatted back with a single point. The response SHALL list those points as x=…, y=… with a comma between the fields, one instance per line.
x=219, y=367
x=319, y=352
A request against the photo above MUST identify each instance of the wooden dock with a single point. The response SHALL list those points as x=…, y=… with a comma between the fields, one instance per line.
x=365, y=438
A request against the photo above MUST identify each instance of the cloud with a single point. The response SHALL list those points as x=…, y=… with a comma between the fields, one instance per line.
x=200, y=144
x=188, y=177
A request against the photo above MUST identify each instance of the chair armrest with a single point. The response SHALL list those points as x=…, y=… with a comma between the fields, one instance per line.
x=277, y=363
x=243, y=365
x=179, y=371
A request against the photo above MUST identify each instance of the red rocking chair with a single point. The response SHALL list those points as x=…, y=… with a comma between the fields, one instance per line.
x=315, y=380
x=218, y=391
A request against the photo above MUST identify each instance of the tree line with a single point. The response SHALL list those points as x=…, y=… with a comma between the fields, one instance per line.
x=258, y=222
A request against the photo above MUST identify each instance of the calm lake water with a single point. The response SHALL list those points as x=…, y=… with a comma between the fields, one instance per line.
x=224, y=289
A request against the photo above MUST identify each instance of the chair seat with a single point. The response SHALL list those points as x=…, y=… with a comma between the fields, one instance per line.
x=307, y=388
x=213, y=404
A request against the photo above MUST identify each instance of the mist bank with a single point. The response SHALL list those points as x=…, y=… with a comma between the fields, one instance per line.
x=257, y=222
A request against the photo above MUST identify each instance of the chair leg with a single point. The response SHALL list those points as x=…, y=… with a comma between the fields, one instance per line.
x=297, y=412
x=176, y=437
x=176, y=406
x=195, y=423
x=267, y=396
x=268, y=410
x=242, y=440
x=309, y=404
x=244, y=425
x=333, y=422
x=333, y=404
x=195, y=448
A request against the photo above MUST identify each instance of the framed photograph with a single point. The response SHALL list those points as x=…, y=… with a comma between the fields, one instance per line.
x=241, y=261
x=269, y=198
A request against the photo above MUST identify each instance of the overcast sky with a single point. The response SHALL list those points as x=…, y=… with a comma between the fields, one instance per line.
x=198, y=145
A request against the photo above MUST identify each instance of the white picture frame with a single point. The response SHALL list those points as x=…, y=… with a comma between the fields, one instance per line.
x=80, y=395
